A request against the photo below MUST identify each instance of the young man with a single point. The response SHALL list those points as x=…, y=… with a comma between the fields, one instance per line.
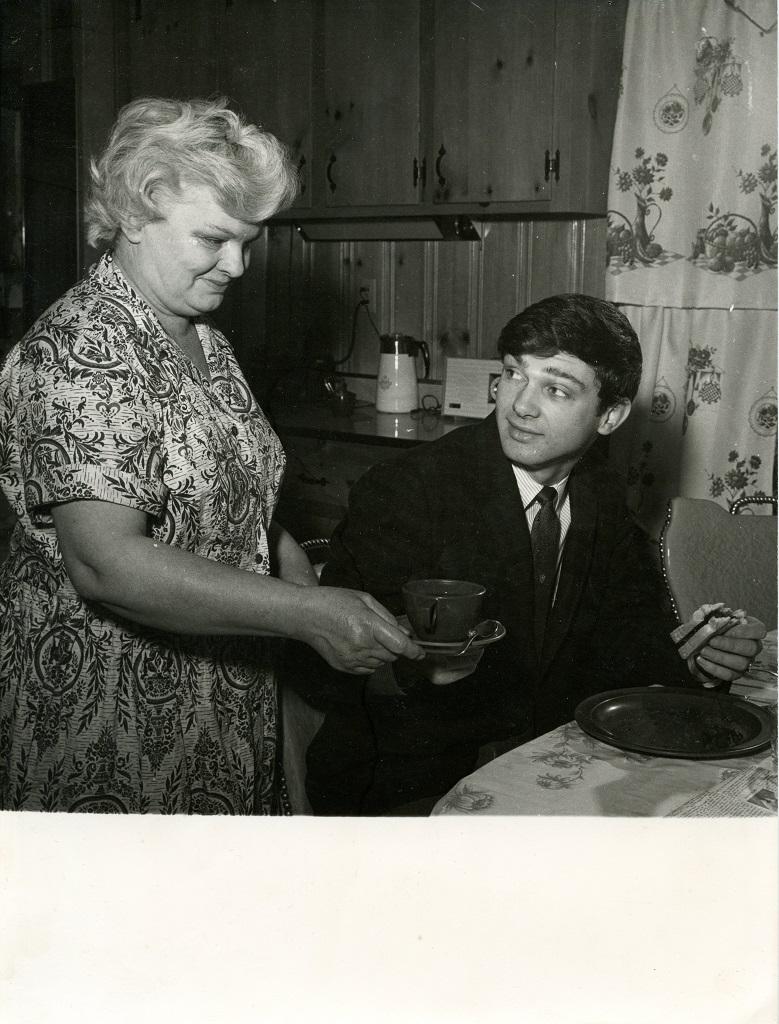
x=465, y=507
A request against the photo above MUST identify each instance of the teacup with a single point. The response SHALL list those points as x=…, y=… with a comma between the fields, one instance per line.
x=442, y=611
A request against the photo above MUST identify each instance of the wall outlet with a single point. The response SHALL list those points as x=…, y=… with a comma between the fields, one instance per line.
x=368, y=293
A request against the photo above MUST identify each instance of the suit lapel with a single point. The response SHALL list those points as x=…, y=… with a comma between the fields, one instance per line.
x=503, y=515
x=504, y=531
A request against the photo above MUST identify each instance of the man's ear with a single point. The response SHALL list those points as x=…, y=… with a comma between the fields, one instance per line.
x=614, y=417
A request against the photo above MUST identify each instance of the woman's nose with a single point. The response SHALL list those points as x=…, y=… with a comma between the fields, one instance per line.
x=232, y=260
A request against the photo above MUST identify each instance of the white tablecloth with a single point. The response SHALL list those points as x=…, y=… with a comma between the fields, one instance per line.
x=567, y=772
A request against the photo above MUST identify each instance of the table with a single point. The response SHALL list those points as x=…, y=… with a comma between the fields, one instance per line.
x=366, y=425
x=567, y=772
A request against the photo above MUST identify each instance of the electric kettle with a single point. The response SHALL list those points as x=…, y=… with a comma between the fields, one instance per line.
x=396, y=379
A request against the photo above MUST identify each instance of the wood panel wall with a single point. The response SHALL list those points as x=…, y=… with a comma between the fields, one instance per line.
x=296, y=302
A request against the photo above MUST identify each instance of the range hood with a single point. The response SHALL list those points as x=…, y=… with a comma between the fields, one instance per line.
x=390, y=229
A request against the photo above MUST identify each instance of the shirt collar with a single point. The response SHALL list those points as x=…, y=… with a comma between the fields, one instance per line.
x=529, y=488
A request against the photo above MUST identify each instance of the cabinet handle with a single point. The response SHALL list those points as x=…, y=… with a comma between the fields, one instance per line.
x=330, y=181
x=552, y=166
x=419, y=172
x=438, y=159
x=301, y=165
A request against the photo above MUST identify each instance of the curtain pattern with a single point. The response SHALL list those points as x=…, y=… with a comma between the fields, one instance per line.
x=692, y=249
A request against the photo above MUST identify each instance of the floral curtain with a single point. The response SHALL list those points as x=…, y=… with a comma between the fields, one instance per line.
x=692, y=249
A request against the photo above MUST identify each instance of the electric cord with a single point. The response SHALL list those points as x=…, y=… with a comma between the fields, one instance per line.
x=430, y=407
x=362, y=304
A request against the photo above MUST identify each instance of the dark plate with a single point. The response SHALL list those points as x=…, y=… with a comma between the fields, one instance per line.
x=672, y=721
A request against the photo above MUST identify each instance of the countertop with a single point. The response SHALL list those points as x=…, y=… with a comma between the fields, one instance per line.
x=365, y=425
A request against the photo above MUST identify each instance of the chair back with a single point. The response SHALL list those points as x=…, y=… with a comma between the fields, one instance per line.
x=317, y=549
x=709, y=555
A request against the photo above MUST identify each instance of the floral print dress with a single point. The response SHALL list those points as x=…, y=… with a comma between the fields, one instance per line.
x=98, y=713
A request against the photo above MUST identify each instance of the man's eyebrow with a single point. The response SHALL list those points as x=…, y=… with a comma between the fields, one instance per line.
x=555, y=371
x=550, y=369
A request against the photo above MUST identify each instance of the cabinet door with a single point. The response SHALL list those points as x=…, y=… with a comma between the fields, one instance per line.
x=170, y=49
x=589, y=65
x=266, y=71
x=493, y=91
x=370, y=110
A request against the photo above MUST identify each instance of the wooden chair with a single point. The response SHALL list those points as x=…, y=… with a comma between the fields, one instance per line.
x=300, y=721
x=711, y=555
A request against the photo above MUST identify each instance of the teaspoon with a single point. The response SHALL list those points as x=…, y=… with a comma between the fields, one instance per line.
x=481, y=631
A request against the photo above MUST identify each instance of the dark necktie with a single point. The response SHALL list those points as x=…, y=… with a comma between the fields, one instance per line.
x=544, y=540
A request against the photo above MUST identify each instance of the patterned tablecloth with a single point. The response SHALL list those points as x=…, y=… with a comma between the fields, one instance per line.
x=567, y=772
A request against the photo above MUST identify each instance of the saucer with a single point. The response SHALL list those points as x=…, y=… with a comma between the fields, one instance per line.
x=453, y=646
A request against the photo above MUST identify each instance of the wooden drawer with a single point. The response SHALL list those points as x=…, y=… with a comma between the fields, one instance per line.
x=316, y=486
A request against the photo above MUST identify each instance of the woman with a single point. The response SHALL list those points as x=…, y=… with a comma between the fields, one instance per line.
x=145, y=564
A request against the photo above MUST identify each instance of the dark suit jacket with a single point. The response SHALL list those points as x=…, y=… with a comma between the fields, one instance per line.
x=452, y=509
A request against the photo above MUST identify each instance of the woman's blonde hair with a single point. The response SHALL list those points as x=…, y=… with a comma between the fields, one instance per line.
x=161, y=144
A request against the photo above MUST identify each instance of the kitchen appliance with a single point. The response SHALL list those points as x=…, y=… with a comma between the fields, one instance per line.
x=340, y=398
x=396, y=379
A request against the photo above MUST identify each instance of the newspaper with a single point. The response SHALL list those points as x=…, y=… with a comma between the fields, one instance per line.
x=747, y=794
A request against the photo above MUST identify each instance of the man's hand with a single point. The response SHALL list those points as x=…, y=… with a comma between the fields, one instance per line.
x=729, y=655
x=441, y=669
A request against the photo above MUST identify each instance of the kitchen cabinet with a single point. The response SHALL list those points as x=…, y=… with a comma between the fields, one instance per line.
x=493, y=67
x=410, y=108
x=369, y=134
x=524, y=97
x=266, y=69
x=588, y=54
x=258, y=53
x=167, y=49
x=446, y=106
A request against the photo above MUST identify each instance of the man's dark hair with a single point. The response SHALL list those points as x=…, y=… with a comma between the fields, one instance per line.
x=591, y=329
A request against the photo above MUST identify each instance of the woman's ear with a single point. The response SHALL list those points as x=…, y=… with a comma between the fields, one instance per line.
x=134, y=221
x=132, y=228
x=614, y=417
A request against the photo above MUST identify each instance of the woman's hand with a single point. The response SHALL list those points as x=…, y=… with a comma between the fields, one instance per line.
x=352, y=631
x=728, y=656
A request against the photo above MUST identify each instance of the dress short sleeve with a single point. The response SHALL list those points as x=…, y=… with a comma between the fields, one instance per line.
x=87, y=424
